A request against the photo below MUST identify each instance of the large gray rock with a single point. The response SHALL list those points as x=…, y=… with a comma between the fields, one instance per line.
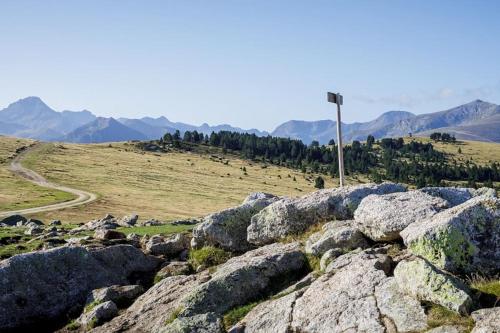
x=170, y=246
x=120, y=295
x=355, y=297
x=128, y=221
x=180, y=300
x=403, y=310
x=246, y=278
x=487, y=320
x=228, y=228
x=203, y=323
x=336, y=234
x=383, y=217
x=457, y=195
x=98, y=315
x=420, y=279
x=269, y=316
x=13, y=220
x=462, y=239
x=38, y=288
x=290, y=216
x=159, y=305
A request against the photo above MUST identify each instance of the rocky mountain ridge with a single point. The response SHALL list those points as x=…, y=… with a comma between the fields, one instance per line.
x=366, y=258
x=32, y=118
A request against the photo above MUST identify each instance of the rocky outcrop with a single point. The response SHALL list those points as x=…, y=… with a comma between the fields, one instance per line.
x=107, y=222
x=160, y=305
x=383, y=217
x=290, y=216
x=228, y=228
x=12, y=220
x=180, y=300
x=343, y=235
x=38, y=288
x=203, y=323
x=170, y=246
x=457, y=195
x=107, y=234
x=128, y=221
x=462, y=239
x=420, y=279
x=356, y=296
x=246, y=278
x=120, y=295
x=487, y=320
x=98, y=315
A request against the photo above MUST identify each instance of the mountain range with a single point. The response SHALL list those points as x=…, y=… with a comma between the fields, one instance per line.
x=31, y=118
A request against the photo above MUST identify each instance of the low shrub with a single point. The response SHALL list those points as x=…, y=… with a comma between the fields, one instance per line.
x=208, y=256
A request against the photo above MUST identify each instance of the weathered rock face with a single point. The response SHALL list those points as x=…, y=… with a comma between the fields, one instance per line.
x=420, y=279
x=239, y=281
x=462, y=239
x=353, y=297
x=98, y=315
x=203, y=323
x=157, y=306
x=228, y=228
x=120, y=295
x=27, y=281
x=108, y=234
x=170, y=247
x=383, y=217
x=487, y=320
x=174, y=268
x=290, y=216
x=457, y=195
x=343, y=235
x=246, y=278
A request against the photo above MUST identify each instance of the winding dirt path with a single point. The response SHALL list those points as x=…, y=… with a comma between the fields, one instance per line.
x=83, y=197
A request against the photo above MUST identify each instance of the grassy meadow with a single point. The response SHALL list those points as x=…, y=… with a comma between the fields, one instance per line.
x=164, y=186
x=17, y=193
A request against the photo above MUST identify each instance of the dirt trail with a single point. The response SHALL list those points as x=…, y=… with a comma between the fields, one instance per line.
x=83, y=197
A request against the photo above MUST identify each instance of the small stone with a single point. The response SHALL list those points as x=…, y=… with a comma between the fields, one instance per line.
x=98, y=315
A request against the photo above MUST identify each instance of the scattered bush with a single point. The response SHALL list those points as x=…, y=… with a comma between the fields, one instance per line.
x=235, y=315
x=208, y=256
x=438, y=316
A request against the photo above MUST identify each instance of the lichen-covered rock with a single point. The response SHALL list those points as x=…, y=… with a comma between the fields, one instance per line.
x=269, y=316
x=98, y=315
x=203, y=323
x=290, y=216
x=344, y=300
x=420, y=279
x=462, y=239
x=487, y=320
x=228, y=228
x=337, y=234
x=161, y=304
x=170, y=247
x=328, y=257
x=120, y=295
x=457, y=195
x=404, y=311
x=246, y=278
x=38, y=288
x=383, y=217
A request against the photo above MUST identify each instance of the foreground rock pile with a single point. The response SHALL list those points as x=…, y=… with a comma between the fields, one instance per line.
x=368, y=258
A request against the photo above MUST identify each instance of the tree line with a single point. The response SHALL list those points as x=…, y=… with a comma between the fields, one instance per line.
x=391, y=159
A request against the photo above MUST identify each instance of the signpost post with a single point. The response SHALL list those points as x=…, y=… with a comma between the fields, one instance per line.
x=338, y=99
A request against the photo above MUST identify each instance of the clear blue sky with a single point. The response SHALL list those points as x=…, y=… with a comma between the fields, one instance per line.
x=249, y=63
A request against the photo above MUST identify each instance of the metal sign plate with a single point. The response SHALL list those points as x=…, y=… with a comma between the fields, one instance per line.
x=335, y=98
